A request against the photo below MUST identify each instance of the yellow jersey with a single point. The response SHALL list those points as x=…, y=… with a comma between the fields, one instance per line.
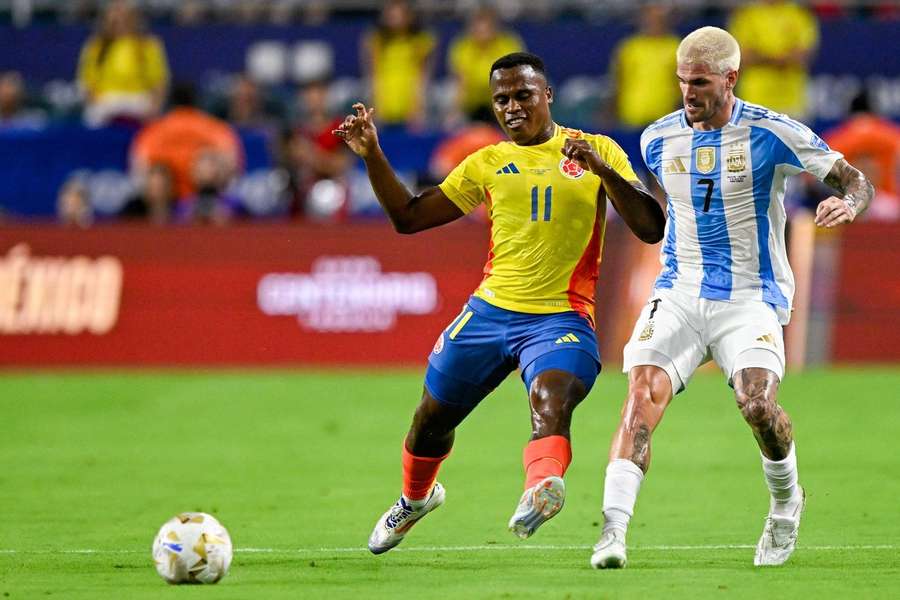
x=645, y=86
x=775, y=30
x=398, y=66
x=471, y=63
x=131, y=64
x=547, y=219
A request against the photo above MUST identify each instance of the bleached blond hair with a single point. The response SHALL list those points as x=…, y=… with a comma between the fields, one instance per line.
x=710, y=46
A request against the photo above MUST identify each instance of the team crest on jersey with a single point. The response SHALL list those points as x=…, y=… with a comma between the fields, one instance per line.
x=647, y=333
x=736, y=161
x=706, y=159
x=570, y=169
x=439, y=344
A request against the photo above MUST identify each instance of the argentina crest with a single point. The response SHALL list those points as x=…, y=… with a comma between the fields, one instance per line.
x=706, y=159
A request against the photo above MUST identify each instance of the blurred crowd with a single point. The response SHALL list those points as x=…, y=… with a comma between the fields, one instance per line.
x=186, y=158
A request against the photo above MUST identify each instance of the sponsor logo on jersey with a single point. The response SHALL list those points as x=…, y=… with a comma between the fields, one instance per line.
x=706, y=159
x=510, y=169
x=439, y=344
x=567, y=339
x=570, y=169
x=767, y=338
x=671, y=166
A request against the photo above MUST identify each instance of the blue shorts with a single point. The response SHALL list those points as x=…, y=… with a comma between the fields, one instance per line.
x=485, y=343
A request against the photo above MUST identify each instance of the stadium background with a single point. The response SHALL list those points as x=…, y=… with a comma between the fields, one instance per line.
x=324, y=282
x=846, y=314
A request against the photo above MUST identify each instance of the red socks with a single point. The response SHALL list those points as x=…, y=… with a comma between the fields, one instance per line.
x=545, y=457
x=541, y=458
x=419, y=473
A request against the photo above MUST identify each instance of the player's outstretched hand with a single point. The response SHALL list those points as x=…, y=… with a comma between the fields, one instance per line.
x=584, y=154
x=359, y=130
x=834, y=211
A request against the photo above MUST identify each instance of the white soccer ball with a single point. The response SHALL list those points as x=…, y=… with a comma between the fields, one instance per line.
x=192, y=547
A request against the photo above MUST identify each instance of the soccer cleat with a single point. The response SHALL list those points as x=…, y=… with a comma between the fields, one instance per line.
x=393, y=525
x=609, y=552
x=779, y=537
x=538, y=504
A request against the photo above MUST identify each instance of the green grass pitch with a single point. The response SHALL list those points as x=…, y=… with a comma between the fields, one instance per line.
x=298, y=466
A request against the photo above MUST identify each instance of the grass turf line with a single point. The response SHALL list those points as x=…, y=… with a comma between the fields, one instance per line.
x=310, y=460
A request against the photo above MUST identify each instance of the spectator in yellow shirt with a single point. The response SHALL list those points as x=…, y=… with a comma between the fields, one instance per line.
x=778, y=40
x=470, y=56
x=122, y=70
x=396, y=58
x=642, y=68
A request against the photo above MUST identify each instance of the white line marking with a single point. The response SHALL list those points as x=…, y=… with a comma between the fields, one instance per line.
x=489, y=548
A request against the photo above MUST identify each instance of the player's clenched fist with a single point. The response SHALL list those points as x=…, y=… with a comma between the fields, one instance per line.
x=359, y=130
x=584, y=154
x=834, y=211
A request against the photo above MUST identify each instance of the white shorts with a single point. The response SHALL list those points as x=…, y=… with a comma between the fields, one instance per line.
x=678, y=333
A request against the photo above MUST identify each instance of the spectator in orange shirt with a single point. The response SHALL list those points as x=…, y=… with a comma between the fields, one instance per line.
x=177, y=139
x=866, y=133
x=873, y=144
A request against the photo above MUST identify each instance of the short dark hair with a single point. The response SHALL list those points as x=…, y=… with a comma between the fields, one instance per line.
x=183, y=94
x=518, y=59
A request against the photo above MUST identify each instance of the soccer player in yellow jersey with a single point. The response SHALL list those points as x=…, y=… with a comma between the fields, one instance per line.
x=546, y=192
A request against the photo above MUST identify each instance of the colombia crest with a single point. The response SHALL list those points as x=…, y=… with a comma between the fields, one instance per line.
x=570, y=169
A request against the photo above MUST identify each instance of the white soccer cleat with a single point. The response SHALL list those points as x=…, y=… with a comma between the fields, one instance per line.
x=393, y=525
x=779, y=537
x=609, y=552
x=538, y=504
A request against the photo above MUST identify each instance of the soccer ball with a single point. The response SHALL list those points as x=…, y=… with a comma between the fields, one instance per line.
x=192, y=547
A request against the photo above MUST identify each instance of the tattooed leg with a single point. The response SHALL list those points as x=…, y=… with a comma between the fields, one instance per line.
x=755, y=391
x=649, y=393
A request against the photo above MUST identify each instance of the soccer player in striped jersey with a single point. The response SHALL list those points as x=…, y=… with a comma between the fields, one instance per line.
x=725, y=288
x=545, y=192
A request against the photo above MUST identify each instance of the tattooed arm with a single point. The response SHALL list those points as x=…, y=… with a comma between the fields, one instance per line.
x=857, y=192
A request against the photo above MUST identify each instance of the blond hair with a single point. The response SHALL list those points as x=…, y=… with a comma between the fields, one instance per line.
x=710, y=46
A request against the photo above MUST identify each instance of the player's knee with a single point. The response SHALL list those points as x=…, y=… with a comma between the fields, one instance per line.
x=547, y=402
x=432, y=419
x=647, y=389
x=757, y=408
x=638, y=405
x=556, y=392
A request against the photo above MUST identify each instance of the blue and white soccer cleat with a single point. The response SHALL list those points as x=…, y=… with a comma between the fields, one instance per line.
x=779, y=537
x=609, y=552
x=539, y=503
x=393, y=525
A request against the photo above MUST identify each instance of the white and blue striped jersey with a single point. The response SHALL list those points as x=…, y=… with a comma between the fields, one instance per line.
x=725, y=190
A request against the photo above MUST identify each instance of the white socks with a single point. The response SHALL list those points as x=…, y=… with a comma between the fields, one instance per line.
x=781, y=477
x=620, y=490
x=623, y=482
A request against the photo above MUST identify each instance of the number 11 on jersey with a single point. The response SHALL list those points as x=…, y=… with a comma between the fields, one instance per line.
x=548, y=202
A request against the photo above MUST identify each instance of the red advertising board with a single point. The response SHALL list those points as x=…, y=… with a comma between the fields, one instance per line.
x=246, y=295
x=867, y=305
x=289, y=295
